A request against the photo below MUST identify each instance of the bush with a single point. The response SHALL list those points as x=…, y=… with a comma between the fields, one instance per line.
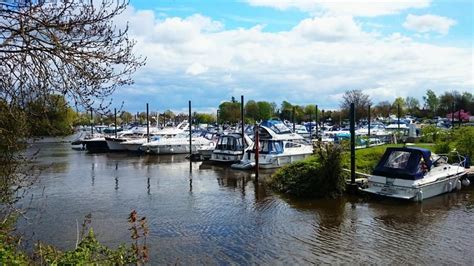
x=430, y=134
x=89, y=250
x=442, y=147
x=463, y=141
x=316, y=177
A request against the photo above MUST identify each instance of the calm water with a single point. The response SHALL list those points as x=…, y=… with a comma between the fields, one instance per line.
x=224, y=217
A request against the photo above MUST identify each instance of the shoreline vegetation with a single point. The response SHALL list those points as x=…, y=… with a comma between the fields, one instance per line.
x=322, y=176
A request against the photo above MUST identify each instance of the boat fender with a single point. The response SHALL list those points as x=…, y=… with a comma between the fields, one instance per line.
x=458, y=185
x=419, y=196
x=449, y=186
x=466, y=182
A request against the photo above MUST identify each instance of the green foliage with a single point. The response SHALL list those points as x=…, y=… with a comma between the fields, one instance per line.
x=442, y=147
x=431, y=101
x=88, y=251
x=431, y=134
x=51, y=116
x=463, y=141
x=399, y=102
x=229, y=112
x=9, y=254
x=202, y=118
x=316, y=177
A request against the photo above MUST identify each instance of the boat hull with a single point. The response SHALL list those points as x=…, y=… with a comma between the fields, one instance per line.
x=417, y=192
x=96, y=146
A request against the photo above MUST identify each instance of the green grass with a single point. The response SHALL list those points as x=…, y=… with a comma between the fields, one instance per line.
x=367, y=159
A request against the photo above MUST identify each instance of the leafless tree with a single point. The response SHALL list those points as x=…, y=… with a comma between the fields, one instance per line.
x=70, y=48
x=360, y=100
x=63, y=47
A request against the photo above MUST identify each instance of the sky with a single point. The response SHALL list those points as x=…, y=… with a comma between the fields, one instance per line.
x=302, y=51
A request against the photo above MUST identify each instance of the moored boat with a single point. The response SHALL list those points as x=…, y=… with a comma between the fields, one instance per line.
x=278, y=146
x=413, y=173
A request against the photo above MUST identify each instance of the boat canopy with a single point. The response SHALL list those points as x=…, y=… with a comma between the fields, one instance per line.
x=403, y=162
x=277, y=126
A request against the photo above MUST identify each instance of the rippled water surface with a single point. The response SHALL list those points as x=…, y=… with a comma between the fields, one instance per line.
x=225, y=217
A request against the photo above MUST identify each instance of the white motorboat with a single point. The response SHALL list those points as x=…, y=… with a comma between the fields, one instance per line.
x=230, y=149
x=134, y=144
x=115, y=143
x=301, y=130
x=278, y=146
x=176, y=145
x=413, y=173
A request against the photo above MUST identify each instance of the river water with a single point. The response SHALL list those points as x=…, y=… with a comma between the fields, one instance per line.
x=225, y=217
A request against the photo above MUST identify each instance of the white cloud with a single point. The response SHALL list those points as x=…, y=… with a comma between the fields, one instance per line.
x=313, y=62
x=330, y=29
x=345, y=7
x=196, y=69
x=429, y=23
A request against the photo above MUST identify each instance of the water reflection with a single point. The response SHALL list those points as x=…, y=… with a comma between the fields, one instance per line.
x=216, y=215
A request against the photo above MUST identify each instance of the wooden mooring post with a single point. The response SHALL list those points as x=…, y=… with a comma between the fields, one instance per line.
x=147, y=124
x=257, y=139
x=115, y=121
x=190, y=122
x=243, y=123
x=352, y=188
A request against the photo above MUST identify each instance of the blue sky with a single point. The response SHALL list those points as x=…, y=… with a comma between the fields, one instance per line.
x=303, y=51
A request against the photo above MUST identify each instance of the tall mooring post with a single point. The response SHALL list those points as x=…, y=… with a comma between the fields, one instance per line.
x=398, y=116
x=257, y=148
x=368, y=126
x=115, y=121
x=310, y=125
x=293, y=118
x=352, y=119
x=242, y=123
x=147, y=124
x=190, y=122
x=92, y=122
x=317, y=121
x=452, y=115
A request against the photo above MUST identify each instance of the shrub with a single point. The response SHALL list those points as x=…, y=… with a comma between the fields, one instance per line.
x=316, y=177
x=442, y=147
x=429, y=134
x=463, y=141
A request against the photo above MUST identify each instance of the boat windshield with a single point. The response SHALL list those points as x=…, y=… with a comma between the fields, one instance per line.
x=271, y=147
x=398, y=160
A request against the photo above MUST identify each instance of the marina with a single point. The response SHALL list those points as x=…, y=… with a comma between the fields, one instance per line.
x=225, y=217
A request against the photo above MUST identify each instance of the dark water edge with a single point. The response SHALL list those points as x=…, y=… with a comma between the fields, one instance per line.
x=225, y=217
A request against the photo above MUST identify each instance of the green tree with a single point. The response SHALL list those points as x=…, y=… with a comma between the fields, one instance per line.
x=286, y=110
x=412, y=104
x=229, y=112
x=50, y=116
x=203, y=118
x=251, y=110
x=431, y=101
x=399, y=102
x=127, y=117
x=265, y=110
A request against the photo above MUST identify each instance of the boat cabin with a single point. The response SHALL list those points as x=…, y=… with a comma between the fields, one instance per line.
x=409, y=163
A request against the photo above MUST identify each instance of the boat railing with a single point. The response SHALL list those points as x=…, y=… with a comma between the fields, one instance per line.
x=444, y=158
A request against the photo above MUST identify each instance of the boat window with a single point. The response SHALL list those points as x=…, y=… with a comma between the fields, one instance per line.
x=271, y=147
x=239, y=144
x=398, y=160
